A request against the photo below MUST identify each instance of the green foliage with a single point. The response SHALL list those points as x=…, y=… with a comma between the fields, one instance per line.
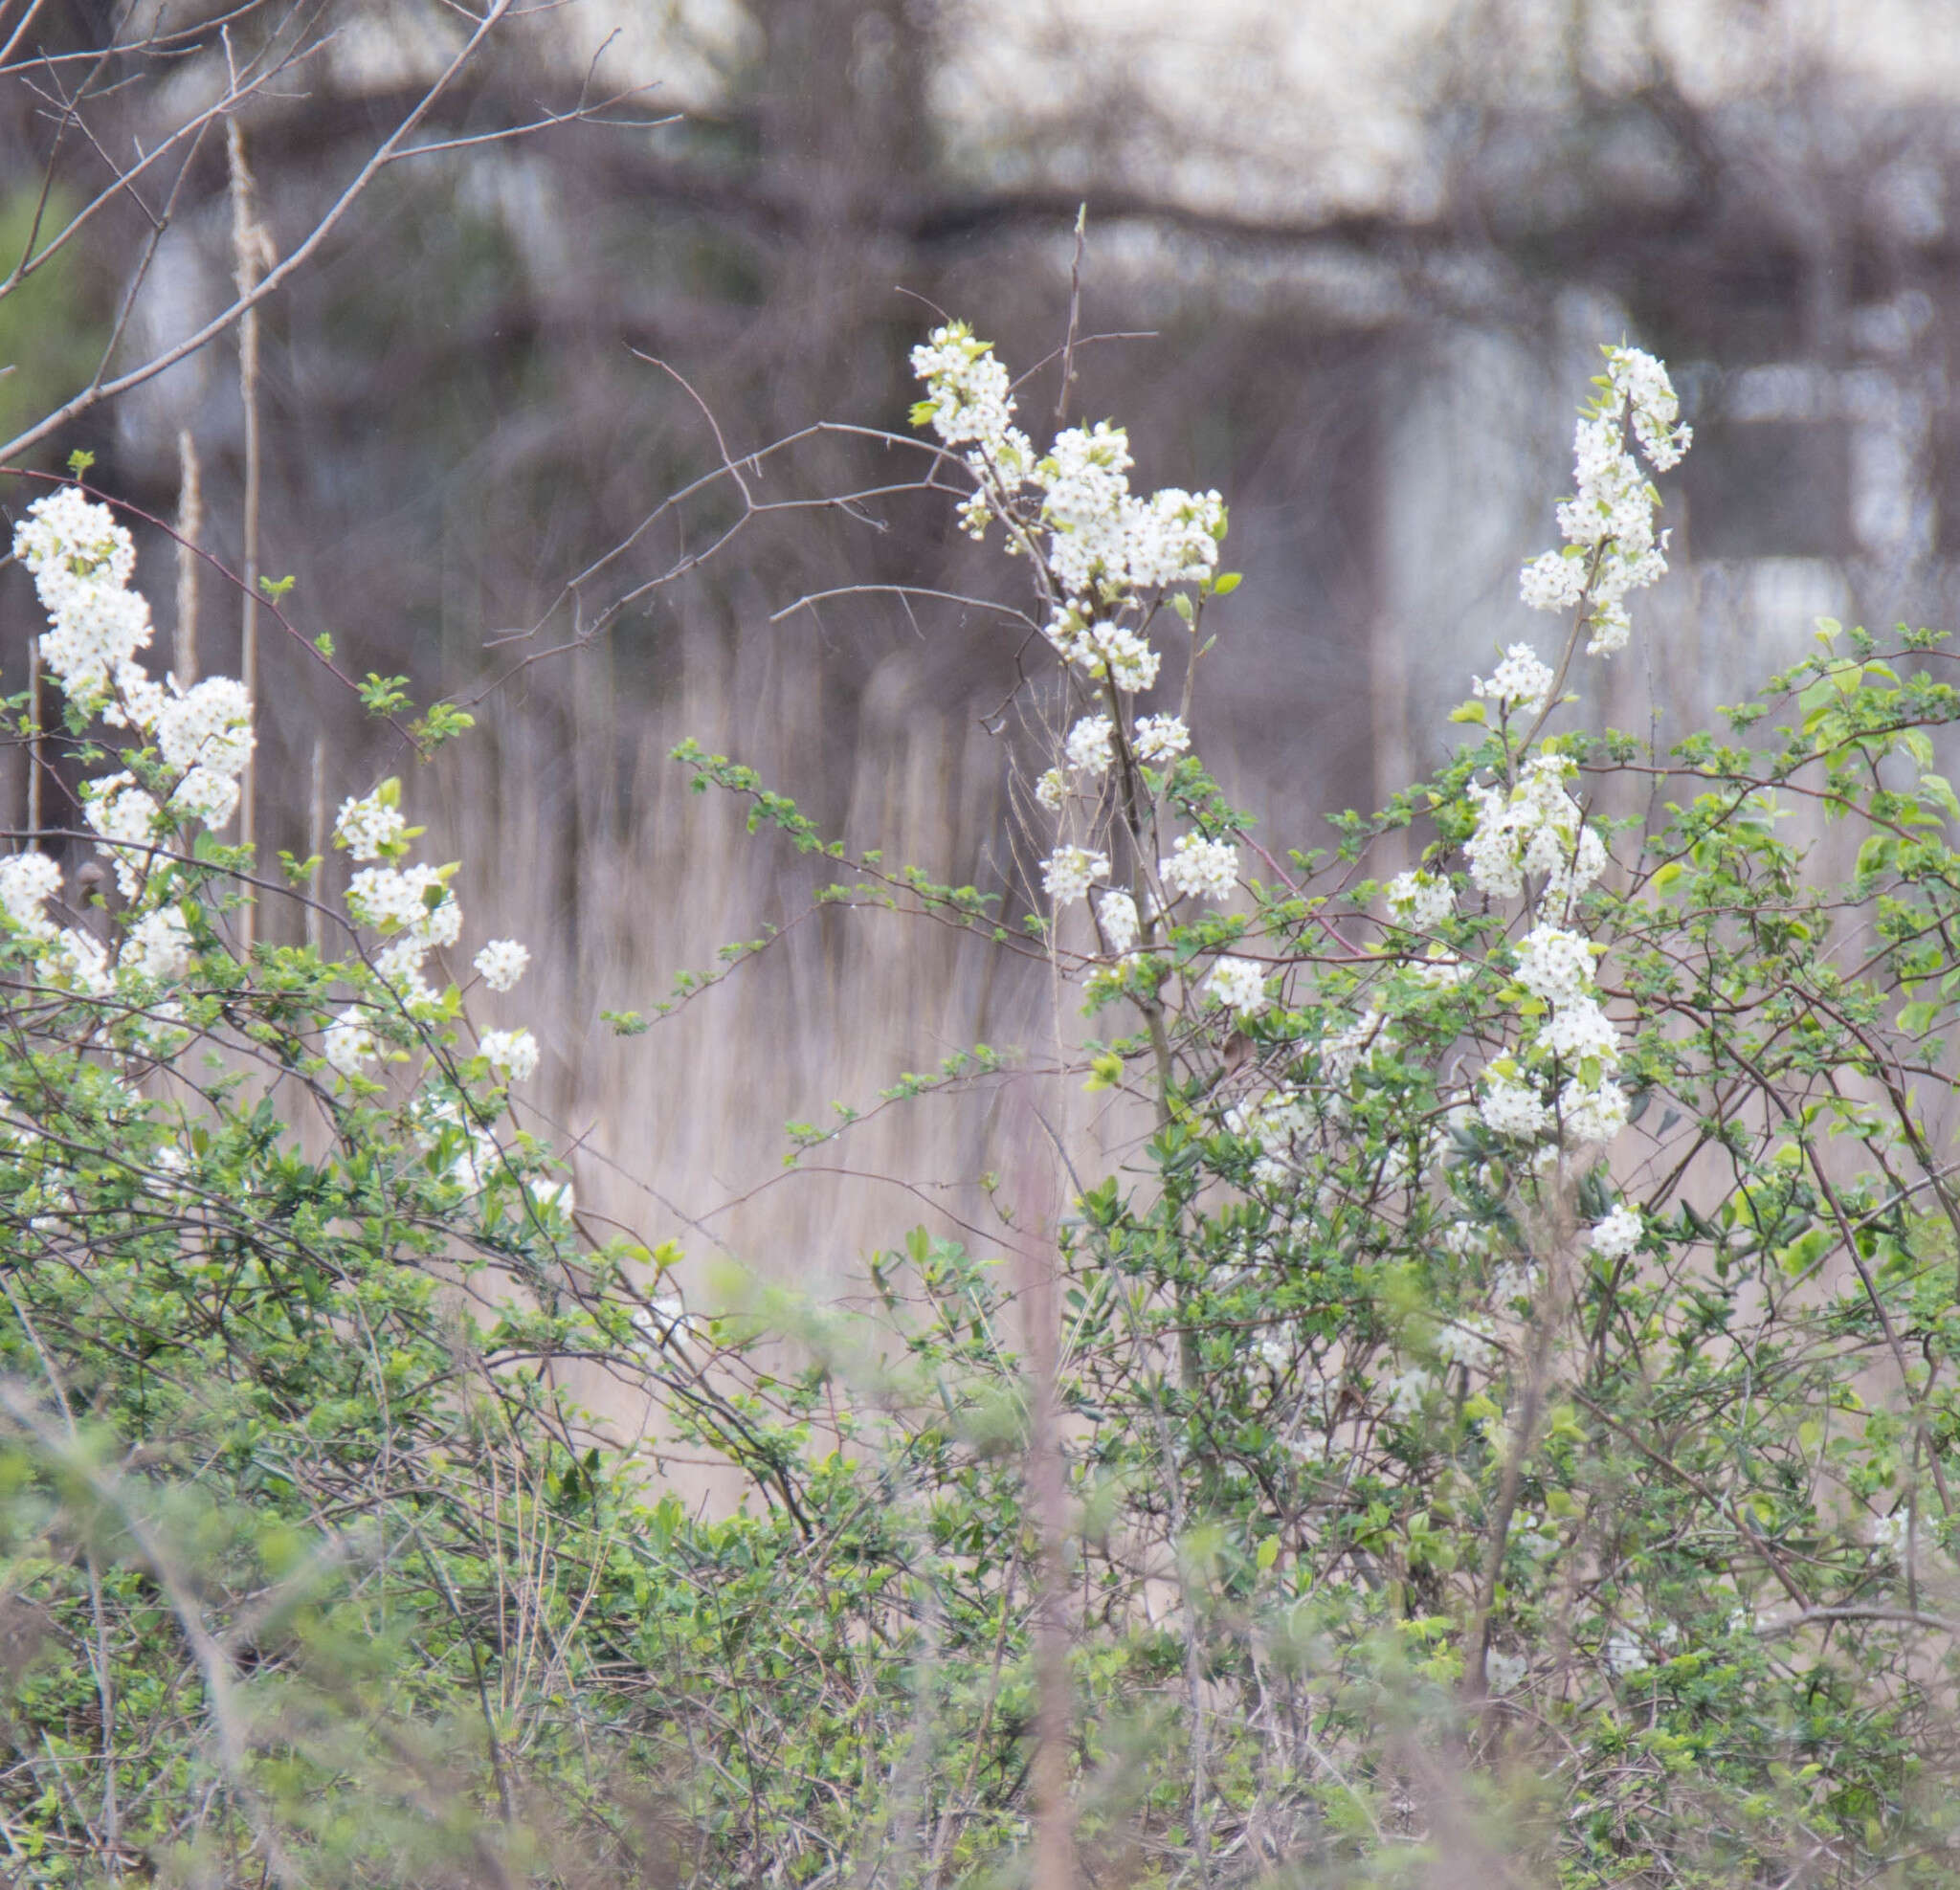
x=1370, y=1516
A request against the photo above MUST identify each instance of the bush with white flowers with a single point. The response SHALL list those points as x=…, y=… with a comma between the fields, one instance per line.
x=1505, y=1381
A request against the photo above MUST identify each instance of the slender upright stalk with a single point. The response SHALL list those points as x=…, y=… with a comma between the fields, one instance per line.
x=33, y=746
x=315, y=838
x=250, y=247
x=190, y=530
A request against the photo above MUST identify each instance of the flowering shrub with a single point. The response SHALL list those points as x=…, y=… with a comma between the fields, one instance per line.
x=1499, y=1411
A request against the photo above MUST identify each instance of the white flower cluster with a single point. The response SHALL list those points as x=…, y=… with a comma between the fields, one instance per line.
x=1238, y=985
x=1612, y=547
x=1107, y=553
x=1282, y=1124
x=1090, y=747
x=1522, y=681
x=1469, y=1341
x=1101, y=648
x=208, y=726
x=1616, y=1237
x=1161, y=736
x=1069, y=872
x=1201, y=868
x=346, y=1043
x=414, y=909
x=158, y=947
x=512, y=1053
x=1536, y=829
x=501, y=963
x=82, y=561
x=1890, y=1532
x=1577, y=1040
x=414, y=901
x=1118, y=912
x=969, y=404
x=1104, y=541
x=1420, y=900
x=81, y=961
x=373, y=826
x=1557, y=963
x=1105, y=544
x=28, y=882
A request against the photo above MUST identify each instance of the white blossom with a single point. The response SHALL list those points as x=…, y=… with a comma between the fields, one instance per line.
x=1555, y=964
x=28, y=881
x=664, y=1320
x=1118, y=912
x=1089, y=748
x=512, y=1053
x=1592, y=1117
x=1512, y=1109
x=1552, y=580
x=1513, y=1281
x=346, y=1043
x=369, y=828
x=1537, y=828
x=1052, y=789
x=1161, y=736
x=1443, y=971
x=1577, y=1032
x=1522, y=681
x=80, y=960
x=398, y=966
x=82, y=561
x=1467, y=1341
x=1119, y=653
x=208, y=726
x=1615, y=1237
x=1420, y=900
x=412, y=899
x=1239, y=985
x=1173, y=538
x=206, y=796
x=1409, y=1390
x=158, y=947
x=501, y=963
x=1610, y=518
x=1889, y=1532
x=1069, y=872
x=969, y=404
x=1202, y=868
x=121, y=810
x=1086, y=479
x=1643, y=381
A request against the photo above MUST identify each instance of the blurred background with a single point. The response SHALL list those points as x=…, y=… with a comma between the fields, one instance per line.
x=1362, y=256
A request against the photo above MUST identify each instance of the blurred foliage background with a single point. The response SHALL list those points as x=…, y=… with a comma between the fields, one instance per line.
x=1347, y=265
x=1363, y=252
